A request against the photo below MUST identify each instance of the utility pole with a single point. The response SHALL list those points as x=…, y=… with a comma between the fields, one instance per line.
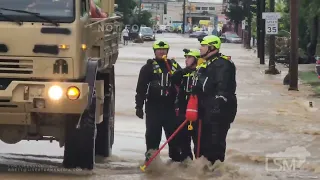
x=140, y=3
x=272, y=48
x=294, y=21
x=262, y=32
x=249, y=24
x=258, y=22
x=189, y=15
x=184, y=16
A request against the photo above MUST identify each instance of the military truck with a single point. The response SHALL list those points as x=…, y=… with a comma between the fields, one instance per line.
x=57, y=79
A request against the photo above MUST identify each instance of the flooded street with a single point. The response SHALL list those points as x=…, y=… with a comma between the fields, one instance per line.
x=275, y=129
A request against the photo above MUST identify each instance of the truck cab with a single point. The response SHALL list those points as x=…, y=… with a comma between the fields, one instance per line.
x=57, y=75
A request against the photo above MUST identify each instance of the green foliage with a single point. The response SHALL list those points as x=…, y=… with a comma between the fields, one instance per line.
x=311, y=78
x=235, y=13
x=143, y=19
x=308, y=9
x=131, y=15
x=126, y=7
x=284, y=22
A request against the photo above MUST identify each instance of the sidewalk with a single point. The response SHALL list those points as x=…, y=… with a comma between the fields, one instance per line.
x=270, y=118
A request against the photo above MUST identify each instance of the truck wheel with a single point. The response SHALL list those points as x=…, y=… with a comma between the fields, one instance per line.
x=105, y=130
x=79, y=143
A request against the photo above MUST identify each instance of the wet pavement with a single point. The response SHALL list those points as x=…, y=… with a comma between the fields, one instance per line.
x=274, y=128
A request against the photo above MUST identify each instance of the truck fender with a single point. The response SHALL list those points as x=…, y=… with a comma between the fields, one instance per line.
x=87, y=117
x=91, y=74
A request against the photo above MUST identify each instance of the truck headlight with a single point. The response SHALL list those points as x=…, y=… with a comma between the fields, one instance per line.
x=55, y=92
x=73, y=93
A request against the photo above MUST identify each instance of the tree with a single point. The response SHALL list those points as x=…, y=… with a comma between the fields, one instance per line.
x=308, y=13
x=235, y=13
x=239, y=10
x=144, y=18
x=126, y=7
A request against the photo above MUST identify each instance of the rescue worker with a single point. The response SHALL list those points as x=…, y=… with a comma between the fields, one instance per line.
x=215, y=85
x=184, y=78
x=155, y=88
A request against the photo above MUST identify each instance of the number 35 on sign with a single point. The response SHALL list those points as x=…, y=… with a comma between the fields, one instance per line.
x=271, y=26
x=271, y=22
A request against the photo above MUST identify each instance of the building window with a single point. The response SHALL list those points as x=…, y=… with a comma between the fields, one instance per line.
x=198, y=8
x=212, y=8
x=205, y=8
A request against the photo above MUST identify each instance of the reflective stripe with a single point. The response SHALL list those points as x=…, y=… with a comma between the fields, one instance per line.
x=186, y=75
x=175, y=65
x=221, y=97
x=225, y=57
x=202, y=65
x=189, y=74
x=157, y=69
x=228, y=58
x=204, y=84
x=192, y=110
x=208, y=62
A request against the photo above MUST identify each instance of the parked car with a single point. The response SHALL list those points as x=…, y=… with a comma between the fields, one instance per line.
x=230, y=38
x=146, y=33
x=198, y=34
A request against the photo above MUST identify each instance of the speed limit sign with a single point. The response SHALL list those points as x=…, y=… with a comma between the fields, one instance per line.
x=271, y=22
x=271, y=26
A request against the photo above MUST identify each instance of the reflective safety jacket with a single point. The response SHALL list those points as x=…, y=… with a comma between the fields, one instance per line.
x=184, y=92
x=216, y=76
x=157, y=69
x=215, y=86
x=154, y=81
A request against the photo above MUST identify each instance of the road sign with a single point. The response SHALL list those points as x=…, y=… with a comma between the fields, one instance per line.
x=243, y=24
x=271, y=26
x=271, y=15
x=271, y=22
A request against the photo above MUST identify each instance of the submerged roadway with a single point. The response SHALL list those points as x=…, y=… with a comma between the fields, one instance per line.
x=271, y=123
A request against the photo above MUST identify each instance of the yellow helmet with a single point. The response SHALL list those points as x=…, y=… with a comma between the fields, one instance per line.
x=211, y=41
x=192, y=52
x=160, y=45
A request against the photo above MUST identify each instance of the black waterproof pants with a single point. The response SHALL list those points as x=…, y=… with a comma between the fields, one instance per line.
x=215, y=128
x=185, y=138
x=161, y=115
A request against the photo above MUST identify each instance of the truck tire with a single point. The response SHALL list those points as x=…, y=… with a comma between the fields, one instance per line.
x=81, y=129
x=105, y=130
x=79, y=142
